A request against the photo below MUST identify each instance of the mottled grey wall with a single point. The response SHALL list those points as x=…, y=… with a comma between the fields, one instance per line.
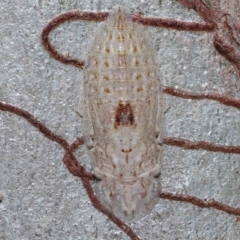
x=41, y=199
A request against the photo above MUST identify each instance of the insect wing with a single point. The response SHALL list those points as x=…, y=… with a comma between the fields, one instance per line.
x=122, y=90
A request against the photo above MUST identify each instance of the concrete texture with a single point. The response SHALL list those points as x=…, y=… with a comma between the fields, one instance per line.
x=41, y=199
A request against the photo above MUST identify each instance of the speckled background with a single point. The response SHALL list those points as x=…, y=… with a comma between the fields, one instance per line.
x=41, y=199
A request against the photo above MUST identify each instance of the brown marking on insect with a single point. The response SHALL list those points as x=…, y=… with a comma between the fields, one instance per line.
x=121, y=37
x=126, y=151
x=157, y=175
x=126, y=157
x=94, y=76
x=150, y=74
x=106, y=90
x=106, y=77
x=124, y=115
x=144, y=194
x=137, y=62
x=111, y=194
x=139, y=76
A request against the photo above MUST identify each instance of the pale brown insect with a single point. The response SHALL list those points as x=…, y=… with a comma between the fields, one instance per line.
x=124, y=117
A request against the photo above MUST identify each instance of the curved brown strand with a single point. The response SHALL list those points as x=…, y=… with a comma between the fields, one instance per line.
x=208, y=14
x=201, y=203
x=68, y=16
x=174, y=24
x=224, y=41
x=183, y=143
x=73, y=165
x=232, y=26
x=228, y=101
x=228, y=46
x=101, y=16
x=227, y=50
x=36, y=123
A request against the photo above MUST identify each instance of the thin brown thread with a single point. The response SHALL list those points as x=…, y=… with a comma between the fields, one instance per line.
x=68, y=16
x=174, y=24
x=221, y=98
x=180, y=142
x=227, y=46
x=201, y=203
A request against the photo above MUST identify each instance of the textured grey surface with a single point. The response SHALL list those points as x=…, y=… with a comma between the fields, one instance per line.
x=41, y=199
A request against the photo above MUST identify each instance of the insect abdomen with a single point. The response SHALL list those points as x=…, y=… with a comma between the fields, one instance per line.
x=122, y=101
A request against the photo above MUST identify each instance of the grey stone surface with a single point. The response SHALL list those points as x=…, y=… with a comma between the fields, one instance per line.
x=41, y=199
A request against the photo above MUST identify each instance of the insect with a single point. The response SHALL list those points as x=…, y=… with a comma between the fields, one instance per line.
x=123, y=117
x=74, y=166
